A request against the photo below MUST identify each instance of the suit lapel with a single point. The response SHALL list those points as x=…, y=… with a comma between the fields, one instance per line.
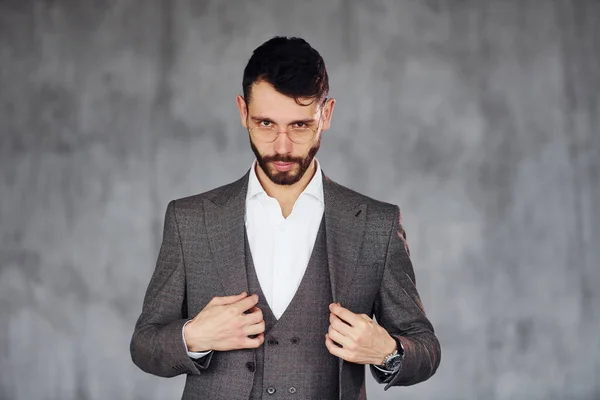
x=345, y=218
x=345, y=224
x=224, y=218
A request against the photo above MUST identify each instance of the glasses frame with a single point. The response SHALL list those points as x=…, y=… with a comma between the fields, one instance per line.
x=279, y=132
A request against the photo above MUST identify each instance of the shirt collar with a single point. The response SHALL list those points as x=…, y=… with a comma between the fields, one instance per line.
x=314, y=187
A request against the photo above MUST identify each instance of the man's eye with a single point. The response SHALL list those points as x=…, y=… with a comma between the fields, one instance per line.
x=301, y=125
x=265, y=123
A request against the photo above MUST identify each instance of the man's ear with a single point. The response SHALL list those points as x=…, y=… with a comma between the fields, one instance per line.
x=241, y=103
x=327, y=112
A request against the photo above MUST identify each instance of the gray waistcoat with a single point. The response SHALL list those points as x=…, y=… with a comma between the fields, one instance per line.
x=294, y=363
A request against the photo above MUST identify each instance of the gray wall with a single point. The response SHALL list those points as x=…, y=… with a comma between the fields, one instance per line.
x=479, y=118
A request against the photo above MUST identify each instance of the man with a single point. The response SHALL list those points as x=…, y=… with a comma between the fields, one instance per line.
x=266, y=287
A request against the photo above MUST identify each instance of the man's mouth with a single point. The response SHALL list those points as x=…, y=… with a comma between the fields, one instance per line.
x=283, y=166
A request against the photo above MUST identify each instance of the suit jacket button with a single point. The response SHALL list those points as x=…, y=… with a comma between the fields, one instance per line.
x=251, y=367
x=272, y=342
x=295, y=340
x=271, y=390
x=292, y=390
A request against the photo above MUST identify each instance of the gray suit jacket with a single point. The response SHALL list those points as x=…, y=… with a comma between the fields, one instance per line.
x=202, y=256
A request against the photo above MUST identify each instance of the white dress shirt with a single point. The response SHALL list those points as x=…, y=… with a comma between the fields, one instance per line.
x=281, y=247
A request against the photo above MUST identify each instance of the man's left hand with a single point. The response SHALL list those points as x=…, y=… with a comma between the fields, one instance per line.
x=363, y=341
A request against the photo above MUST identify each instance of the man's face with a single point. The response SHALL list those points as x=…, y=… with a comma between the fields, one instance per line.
x=283, y=161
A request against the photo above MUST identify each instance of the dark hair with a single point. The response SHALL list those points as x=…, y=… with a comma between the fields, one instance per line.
x=291, y=65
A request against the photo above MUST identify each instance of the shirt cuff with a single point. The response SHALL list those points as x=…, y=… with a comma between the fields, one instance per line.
x=196, y=355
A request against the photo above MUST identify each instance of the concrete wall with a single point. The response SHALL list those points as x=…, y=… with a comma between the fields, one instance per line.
x=479, y=118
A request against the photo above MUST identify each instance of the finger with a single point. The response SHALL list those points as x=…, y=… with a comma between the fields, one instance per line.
x=253, y=343
x=344, y=314
x=225, y=300
x=340, y=339
x=246, y=303
x=333, y=348
x=254, y=329
x=340, y=325
x=251, y=310
x=254, y=317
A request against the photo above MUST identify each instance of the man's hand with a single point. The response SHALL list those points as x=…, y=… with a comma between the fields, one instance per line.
x=223, y=325
x=363, y=341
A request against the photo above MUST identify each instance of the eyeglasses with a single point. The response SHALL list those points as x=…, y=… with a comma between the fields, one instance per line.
x=267, y=132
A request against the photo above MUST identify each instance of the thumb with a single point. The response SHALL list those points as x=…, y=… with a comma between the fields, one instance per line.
x=225, y=300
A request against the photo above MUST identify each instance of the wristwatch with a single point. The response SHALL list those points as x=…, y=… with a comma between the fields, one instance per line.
x=393, y=361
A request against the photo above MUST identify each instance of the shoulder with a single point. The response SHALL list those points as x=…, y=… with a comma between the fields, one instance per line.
x=216, y=195
x=351, y=198
x=381, y=218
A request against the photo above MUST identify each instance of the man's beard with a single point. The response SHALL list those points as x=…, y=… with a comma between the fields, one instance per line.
x=285, y=177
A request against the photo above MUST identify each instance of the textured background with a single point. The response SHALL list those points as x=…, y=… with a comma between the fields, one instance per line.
x=481, y=119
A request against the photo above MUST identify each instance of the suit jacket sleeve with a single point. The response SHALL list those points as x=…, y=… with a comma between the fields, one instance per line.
x=157, y=346
x=399, y=310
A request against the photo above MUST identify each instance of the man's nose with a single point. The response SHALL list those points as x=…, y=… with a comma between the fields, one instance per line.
x=283, y=144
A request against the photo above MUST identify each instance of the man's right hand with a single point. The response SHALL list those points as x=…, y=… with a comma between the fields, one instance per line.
x=223, y=325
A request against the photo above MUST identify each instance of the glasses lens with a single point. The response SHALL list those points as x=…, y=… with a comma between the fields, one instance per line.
x=264, y=134
x=301, y=135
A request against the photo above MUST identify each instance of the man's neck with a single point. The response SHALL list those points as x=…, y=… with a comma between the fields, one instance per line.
x=286, y=195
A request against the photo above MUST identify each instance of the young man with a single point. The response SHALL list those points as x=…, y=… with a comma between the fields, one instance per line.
x=266, y=287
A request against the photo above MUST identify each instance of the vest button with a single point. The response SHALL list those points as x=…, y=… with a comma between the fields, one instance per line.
x=295, y=340
x=271, y=390
x=292, y=390
x=272, y=342
x=251, y=367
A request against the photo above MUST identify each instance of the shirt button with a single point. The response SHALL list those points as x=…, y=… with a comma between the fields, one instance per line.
x=271, y=390
x=292, y=390
x=272, y=342
x=251, y=367
x=295, y=340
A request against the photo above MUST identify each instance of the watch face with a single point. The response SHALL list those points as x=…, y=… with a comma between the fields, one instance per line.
x=393, y=362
